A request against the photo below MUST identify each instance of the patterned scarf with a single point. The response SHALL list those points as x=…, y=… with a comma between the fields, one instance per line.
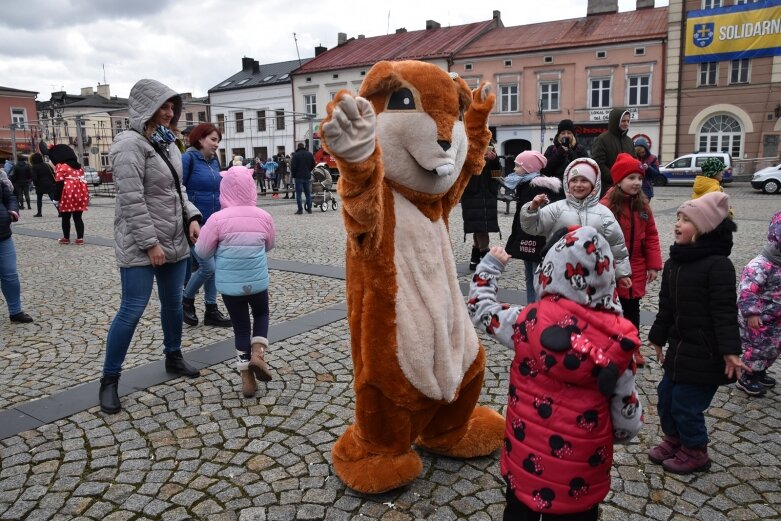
x=162, y=137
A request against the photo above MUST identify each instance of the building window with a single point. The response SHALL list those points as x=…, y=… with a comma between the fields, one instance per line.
x=508, y=98
x=238, y=152
x=221, y=123
x=600, y=93
x=188, y=118
x=708, y=74
x=547, y=59
x=739, y=71
x=117, y=126
x=202, y=117
x=721, y=133
x=18, y=116
x=741, y=2
x=508, y=63
x=239, y=122
x=467, y=66
x=280, y=119
x=639, y=51
x=261, y=114
x=549, y=95
x=310, y=103
x=639, y=90
x=711, y=4
x=601, y=55
x=104, y=160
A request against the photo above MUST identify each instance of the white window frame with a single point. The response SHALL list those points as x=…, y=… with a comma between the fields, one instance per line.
x=731, y=140
x=238, y=118
x=708, y=73
x=547, y=95
x=310, y=103
x=640, y=88
x=743, y=70
x=509, y=95
x=18, y=115
x=711, y=4
x=601, y=88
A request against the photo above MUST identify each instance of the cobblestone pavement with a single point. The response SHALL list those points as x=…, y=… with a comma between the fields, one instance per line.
x=196, y=449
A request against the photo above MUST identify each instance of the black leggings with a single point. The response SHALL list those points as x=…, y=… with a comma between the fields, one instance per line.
x=40, y=195
x=238, y=308
x=66, y=224
x=631, y=307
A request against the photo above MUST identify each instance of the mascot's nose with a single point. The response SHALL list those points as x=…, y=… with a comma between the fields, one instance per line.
x=444, y=144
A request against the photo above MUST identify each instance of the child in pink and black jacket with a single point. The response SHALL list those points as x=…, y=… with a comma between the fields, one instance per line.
x=572, y=388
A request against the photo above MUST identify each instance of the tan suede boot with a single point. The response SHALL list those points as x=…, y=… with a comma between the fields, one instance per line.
x=257, y=364
x=248, y=384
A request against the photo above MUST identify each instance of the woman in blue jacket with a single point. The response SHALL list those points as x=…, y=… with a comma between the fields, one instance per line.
x=201, y=178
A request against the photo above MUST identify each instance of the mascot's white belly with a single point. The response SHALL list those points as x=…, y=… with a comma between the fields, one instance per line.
x=436, y=340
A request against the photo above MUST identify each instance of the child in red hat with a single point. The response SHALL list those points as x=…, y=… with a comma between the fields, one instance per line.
x=633, y=212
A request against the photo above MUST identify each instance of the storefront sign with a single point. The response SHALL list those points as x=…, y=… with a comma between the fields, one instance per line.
x=604, y=114
x=735, y=32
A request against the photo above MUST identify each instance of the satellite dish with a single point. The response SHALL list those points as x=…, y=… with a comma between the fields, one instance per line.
x=43, y=148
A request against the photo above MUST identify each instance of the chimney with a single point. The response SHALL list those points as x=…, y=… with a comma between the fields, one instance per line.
x=320, y=50
x=87, y=91
x=246, y=64
x=104, y=91
x=255, y=66
x=401, y=30
x=497, y=15
x=431, y=24
x=644, y=4
x=361, y=36
x=341, y=38
x=601, y=7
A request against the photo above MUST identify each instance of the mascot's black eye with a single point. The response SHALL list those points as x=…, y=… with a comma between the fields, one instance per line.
x=402, y=99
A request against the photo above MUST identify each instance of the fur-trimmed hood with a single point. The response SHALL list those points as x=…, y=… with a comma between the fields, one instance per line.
x=551, y=183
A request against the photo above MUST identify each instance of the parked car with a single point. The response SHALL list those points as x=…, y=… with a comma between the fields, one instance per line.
x=106, y=175
x=91, y=175
x=684, y=169
x=767, y=179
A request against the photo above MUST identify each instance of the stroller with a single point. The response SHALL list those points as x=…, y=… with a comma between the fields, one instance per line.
x=322, y=193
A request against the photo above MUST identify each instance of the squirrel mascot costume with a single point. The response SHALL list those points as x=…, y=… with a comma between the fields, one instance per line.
x=406, y=147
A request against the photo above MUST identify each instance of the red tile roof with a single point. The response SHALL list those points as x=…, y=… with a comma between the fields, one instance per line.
x=428, y=44
x=643, y=24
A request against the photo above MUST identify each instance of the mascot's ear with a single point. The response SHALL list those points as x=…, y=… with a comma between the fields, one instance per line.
x=380, y=80
x=464, y=94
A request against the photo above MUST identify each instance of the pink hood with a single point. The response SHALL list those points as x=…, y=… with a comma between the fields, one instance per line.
x=237, y=188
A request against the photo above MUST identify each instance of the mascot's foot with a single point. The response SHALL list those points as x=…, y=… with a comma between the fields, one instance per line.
x=372, y=473
x=484, y=434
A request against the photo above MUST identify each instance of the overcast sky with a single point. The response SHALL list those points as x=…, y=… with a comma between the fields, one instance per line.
x=48, y=45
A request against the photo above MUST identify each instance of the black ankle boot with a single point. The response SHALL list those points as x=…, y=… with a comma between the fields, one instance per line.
x=174, y=363
x=108, y=395
x=474, y=260
x=213, y=317
x=189, y=316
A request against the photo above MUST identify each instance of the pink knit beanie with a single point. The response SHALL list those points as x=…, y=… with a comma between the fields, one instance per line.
x=706, y=212
x=531, y=161
x=582, y=167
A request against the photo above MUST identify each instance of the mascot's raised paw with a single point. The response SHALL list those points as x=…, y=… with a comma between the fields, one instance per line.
x=349, y=128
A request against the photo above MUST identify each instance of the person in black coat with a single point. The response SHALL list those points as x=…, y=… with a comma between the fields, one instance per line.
x=20, y=176
x=302, y=162
x=43, y=180
x=698, y=319
x=563, y=151
x=478, y=206
x=9, y=277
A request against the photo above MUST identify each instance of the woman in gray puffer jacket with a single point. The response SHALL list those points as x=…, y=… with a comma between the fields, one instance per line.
x=151, y=215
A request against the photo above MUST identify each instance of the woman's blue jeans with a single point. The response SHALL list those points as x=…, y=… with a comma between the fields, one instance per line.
x=9, y=277
x=203, y=276
x=136, y=289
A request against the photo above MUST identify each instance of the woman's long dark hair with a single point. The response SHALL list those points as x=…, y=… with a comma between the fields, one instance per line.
x=617, y=199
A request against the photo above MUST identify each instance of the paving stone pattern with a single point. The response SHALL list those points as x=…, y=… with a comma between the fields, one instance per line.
x=196, y=449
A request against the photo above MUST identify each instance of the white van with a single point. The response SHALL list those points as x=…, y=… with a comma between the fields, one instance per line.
x=684, y=169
